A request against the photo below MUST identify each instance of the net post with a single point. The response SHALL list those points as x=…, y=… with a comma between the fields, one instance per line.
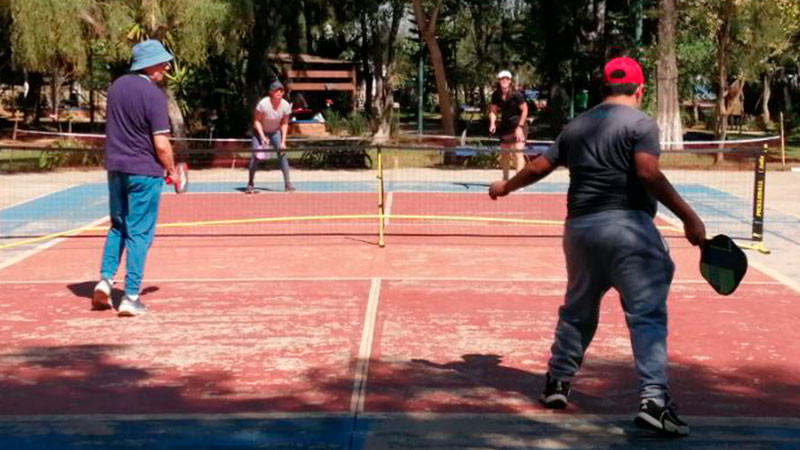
x=381, y=198
x=759, y=191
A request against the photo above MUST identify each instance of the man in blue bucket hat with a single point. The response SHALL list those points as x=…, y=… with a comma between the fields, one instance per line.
x=138, y=153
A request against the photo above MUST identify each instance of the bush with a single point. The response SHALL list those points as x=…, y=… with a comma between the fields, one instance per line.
x=485, y=158
x=357, y=125
x=334, y=122
x=53, y=158
x=353, y=125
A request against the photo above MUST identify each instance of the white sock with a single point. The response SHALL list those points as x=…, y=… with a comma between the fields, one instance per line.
x=134, y=298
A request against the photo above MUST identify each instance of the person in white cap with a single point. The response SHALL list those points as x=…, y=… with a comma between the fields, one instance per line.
x=513, y=126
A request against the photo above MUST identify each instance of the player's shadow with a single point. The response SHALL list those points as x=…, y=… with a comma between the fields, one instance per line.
x=256, y=190
x=484, y=370
x=86, y=288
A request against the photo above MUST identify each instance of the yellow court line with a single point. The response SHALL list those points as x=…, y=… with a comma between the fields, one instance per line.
x=51, y=236
x=308, y=218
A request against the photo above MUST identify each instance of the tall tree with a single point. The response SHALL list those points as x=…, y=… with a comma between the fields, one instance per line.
x=191, y=30
x=726, y=11
x=669, y=107
x=484, y=23
x=427, y=21
x=5, y=44
x=766, y=34
x=48, y=36
x=385, y=30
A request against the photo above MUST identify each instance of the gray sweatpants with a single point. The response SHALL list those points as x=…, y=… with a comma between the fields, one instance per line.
x=621, y=249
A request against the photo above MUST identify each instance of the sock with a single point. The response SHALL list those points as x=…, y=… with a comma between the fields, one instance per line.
x=134, y=298
x=660, y=401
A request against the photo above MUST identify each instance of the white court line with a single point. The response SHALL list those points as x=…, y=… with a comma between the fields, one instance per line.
x=328, y=279
x=780, y=279
x=171, y=416
x=22, y=202
x=539, y=416
x=365, y=350
x=788, y=282
x=387, y=208
x=44, y=246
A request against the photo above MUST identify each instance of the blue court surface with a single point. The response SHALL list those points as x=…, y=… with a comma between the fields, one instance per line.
x=385, y=431
x=79, y=205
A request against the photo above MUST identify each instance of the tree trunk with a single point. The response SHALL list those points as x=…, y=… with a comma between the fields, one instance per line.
x=91, y=85
x=723, y=42
x=787, y=98
x=265, y=28
x=365, y=69
x=31, y=103
x=427, y=26
x=669, y=107
x=176, y=118
x=765, y=96
x=55, y=87
x=307, y=15
x=385, y=64
x=557, y=106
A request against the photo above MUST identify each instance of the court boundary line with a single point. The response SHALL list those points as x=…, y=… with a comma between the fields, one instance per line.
x=361, y=374
x=347, y=279
x=543, y=415
x=38, y=197
x=48, y=244
x=780, y=278
x=768, y=271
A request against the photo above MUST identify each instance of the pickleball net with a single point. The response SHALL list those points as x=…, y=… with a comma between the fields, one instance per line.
x=354, y=187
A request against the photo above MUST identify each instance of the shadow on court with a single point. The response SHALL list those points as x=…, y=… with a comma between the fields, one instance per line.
x=38, y=382
x=86, y=288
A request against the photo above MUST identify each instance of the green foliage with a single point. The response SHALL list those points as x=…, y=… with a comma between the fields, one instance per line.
x=485, y=158
x=60, y=155
x=335, y=123
x=357, y=125
x=48, y=35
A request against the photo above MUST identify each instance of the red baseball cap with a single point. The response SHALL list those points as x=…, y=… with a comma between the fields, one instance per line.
x=623, y=70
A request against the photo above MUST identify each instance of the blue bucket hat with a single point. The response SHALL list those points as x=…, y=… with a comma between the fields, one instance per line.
x=275, y=85
x=148, y=53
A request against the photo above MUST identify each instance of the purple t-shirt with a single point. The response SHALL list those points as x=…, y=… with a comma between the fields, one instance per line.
x=137, y=110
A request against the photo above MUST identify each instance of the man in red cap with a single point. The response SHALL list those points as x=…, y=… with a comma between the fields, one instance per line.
x=610, y=240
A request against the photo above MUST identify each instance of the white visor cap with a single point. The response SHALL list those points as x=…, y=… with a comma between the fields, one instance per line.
x=504, y=74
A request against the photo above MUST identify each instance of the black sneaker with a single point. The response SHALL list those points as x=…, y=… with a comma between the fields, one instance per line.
x=662, y=419
x=555, y=393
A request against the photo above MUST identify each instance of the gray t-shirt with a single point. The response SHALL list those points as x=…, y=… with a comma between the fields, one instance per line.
x=597, y=147
x=271, y=117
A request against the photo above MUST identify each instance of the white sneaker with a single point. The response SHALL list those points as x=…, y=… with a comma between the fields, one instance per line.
x=101, y=297
x=130, y=308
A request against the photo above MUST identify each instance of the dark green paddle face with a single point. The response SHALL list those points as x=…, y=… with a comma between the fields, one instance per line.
x=723, y=264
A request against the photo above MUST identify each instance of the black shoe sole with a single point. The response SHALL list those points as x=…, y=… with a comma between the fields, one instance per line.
x=645, y=424
x=557, y=403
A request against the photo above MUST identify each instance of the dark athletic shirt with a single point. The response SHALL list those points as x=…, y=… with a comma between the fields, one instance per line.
x=509, y=110
x=137, y=110
x=597, y=147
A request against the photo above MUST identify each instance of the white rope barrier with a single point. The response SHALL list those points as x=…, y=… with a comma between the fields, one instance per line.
x=733, y=142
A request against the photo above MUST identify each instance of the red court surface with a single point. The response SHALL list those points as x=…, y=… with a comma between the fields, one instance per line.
x=333, y=324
